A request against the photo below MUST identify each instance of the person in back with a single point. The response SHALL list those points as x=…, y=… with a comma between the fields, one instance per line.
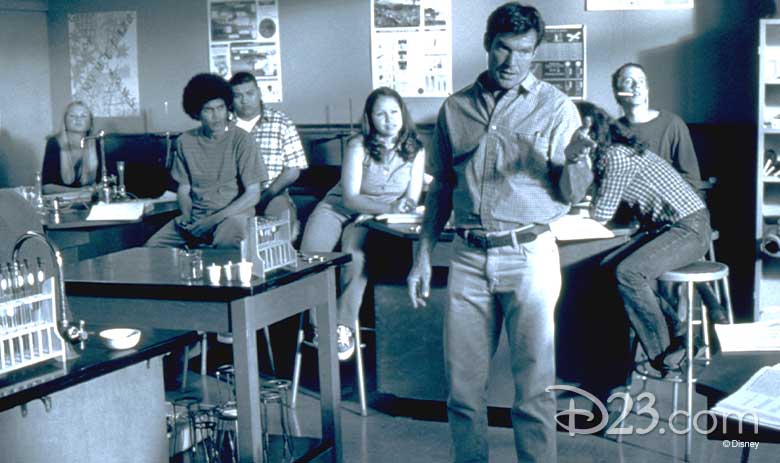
x=277, y=142
x=674, y=231
x=217, y=170
x=70, y=161
x=382, y=172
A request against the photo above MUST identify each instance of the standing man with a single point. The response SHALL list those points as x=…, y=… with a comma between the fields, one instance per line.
x=662, y=132
x=278, y=144
x=500, y=162
x=217, y=171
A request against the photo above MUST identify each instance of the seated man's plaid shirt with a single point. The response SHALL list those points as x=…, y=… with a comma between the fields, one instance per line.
x=278, y=142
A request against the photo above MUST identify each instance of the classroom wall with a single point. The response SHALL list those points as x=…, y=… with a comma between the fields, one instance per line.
x=25, y=99
x=701, y=62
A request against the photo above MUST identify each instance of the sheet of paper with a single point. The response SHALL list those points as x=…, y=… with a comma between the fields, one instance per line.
x=131, y=210
x=575, y=227
x=758, y=400
x=747, y=337
x=400, y=218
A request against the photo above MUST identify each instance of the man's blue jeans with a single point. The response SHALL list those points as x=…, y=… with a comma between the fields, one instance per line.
x=680, y=244
x=516, y=286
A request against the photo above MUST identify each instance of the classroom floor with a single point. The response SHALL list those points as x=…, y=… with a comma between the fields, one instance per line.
x=387, y=437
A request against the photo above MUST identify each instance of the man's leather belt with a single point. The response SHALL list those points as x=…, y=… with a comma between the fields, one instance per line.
x=481, y=240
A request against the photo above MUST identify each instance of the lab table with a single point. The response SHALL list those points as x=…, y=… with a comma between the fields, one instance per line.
x=142, y=286
x=72, y=410
x=79, y=238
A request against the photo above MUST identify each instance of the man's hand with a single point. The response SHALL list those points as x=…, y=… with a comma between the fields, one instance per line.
x=419, y=280
x=581, y=143
x=202, y=226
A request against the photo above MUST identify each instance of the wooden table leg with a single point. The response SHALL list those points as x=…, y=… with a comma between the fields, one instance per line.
x=330, y=384
x=250, y=443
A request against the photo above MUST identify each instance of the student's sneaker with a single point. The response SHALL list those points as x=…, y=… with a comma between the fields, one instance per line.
x=345, y=342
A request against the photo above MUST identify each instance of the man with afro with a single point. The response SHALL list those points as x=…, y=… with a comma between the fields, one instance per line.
x=217, y=171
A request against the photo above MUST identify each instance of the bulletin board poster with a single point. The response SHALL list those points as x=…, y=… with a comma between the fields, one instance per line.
x=601, y=5
x=103, y=49
x=560, y=59
x=411, y=46
x=244, y=36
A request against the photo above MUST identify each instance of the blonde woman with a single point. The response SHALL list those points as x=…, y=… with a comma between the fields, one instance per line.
x=69, y=164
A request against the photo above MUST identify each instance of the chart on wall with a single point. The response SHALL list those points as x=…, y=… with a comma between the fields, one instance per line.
x=411, y=46
x=596, y=5
x=560, y=59
x=244, y=36
x=103, y=50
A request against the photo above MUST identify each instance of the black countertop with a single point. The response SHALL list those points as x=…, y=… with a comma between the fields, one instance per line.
x=96, y=359
x=153, y=273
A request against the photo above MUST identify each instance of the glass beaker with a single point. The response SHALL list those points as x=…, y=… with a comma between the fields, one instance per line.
x=190, y=264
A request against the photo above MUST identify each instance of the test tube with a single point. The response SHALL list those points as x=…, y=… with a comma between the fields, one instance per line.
x=120, y=169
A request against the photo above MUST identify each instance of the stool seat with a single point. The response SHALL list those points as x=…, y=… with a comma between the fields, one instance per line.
x=697, y=272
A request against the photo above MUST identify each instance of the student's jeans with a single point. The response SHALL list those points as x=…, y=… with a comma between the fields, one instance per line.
x=324, y=230
x=516, y=286
x=675, y=246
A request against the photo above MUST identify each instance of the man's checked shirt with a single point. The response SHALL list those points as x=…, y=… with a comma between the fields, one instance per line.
x=278, y=142
x=657, y=194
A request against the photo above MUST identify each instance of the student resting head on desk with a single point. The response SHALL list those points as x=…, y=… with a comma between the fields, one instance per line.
x=674, y=230
x=382, y=172
x=71, y=162
x=217, y=170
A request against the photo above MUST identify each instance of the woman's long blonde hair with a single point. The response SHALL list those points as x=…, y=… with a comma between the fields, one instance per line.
x=68, y=158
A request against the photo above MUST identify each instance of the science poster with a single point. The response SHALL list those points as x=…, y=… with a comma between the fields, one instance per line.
x=411, y=46
x=560, y=59
x=104, y=62
x=244, y=36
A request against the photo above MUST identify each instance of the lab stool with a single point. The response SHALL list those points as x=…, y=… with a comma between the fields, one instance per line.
x=702, y=272
x=361, y=381
x=273, y=395
x=227, y=432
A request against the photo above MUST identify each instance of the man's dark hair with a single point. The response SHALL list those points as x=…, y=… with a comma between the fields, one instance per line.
x=242, y=78
x=514, y=18
x=616, y=74
x=203, y=88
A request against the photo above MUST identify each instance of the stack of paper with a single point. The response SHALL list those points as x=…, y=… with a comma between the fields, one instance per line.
x=749, y=337
x=575, y=227
x=130, y=210
x=757, y=401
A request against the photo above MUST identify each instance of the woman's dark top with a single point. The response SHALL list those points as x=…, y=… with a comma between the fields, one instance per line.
x=51, y=173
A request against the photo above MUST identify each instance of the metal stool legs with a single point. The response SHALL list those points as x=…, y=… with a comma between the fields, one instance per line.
x=361, y=382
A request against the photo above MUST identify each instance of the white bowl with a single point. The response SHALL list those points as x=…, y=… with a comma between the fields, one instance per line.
x=121, y=338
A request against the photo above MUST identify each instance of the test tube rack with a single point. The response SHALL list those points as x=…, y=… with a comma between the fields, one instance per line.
x=28, y=324
x=269, y=246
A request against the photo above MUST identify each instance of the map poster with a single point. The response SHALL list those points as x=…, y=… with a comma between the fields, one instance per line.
x=244, y=36
x=560, y=59
x=411, y=46
x=597, y=5
x=104, y=62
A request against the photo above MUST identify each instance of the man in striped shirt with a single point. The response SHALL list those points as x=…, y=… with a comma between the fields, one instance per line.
x=277, y=142
x=217, y=173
